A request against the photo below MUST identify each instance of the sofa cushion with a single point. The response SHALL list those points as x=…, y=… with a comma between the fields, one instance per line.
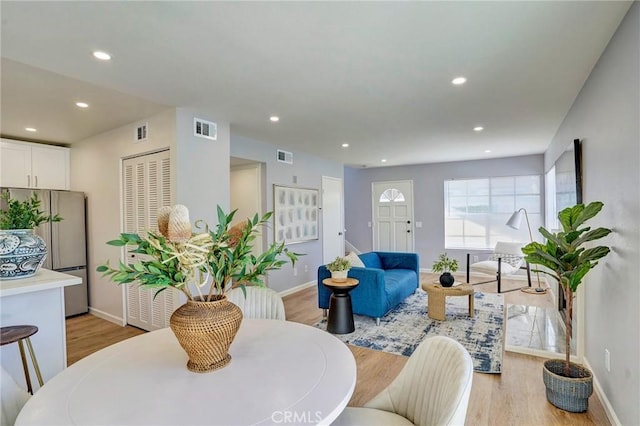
x=371, y=260
x=354, y=260
x=397, y=281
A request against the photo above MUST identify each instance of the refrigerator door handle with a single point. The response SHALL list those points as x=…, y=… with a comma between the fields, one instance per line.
x=28, y=180
x=36, y=179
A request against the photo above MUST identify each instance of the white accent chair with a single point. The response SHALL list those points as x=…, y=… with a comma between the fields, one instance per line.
x=506, y=259
x=260, y=302
x=432, y=389
x=13, y=398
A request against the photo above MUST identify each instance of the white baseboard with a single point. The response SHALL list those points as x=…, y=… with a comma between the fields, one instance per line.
x=608, y=409
x=297, y=288
x=106, y=316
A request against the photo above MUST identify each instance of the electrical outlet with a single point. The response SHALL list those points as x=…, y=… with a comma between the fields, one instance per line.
x=369, y=224
x=607, y=360
x=475, y=258
x=295, y=271
x=306, y=268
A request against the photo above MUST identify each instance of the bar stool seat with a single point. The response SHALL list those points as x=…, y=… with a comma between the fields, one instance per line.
x=18, y=333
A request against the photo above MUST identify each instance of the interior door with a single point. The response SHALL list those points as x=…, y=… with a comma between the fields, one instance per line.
x=393, y=216
x=332, y=219
x=146, y=188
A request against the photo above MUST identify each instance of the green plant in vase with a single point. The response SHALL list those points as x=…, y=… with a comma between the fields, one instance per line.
x=445, y=265
x=339, y=269
x=23, y=252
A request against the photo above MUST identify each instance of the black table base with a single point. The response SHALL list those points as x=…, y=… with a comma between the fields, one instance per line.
x=340, y=320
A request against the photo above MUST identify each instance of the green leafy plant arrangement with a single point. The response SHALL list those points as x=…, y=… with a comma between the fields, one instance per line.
x=444, y=264
x=339, y=264
x=188, y=262
x=565, y=257
x=24, y=214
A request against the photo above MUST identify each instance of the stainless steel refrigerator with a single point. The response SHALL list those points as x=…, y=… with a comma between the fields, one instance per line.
x=66, y=240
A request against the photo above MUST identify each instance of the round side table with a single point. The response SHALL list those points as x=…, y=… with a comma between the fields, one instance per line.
x=340, y=318
x=436, y=298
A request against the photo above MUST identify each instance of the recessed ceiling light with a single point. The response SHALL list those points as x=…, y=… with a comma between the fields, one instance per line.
x=459, y=80
x=345, y=145
x=103, y=56
x=487, y=151
x=82, y=105
x=274, y=118
x=478, y=129
x=384, y=160
x=31, y=129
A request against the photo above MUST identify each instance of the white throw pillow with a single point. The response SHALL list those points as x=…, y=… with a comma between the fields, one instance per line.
x=354, y=260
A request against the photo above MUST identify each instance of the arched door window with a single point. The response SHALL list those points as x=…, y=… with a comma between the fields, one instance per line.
x=391, y=194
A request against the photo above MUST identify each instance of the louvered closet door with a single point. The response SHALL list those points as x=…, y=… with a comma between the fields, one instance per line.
x=147, y=188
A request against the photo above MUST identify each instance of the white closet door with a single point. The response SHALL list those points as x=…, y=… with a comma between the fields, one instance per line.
x=147, y=188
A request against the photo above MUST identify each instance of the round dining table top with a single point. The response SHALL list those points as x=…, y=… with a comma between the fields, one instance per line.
x=280, y=372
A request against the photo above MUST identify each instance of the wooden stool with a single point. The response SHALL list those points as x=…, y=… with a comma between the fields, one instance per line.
x=18, y=333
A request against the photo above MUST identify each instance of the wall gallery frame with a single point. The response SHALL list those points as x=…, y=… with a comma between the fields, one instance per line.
x=295, y=214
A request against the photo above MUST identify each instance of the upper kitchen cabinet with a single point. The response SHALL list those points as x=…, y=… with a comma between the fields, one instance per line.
x=33, y=165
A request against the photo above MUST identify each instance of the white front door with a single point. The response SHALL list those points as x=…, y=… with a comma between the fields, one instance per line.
x=332, y=219
x=146, y=188
x=393, y=216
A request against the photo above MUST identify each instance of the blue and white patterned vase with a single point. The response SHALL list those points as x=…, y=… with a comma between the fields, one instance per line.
x=22, y=253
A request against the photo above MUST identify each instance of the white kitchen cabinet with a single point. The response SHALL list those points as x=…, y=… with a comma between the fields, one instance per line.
x=32, y=165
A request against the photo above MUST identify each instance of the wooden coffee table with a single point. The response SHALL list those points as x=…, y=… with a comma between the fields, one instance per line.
x=436, y=298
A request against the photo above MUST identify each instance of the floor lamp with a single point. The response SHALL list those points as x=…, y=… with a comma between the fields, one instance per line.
x=514, y=222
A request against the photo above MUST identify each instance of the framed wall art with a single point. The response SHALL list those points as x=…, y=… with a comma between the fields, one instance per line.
x=295, y=214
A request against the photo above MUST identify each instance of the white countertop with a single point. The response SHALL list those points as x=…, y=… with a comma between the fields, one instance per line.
x=44, y=279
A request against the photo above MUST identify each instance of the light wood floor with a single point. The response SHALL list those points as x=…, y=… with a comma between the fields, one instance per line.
x=515, y=397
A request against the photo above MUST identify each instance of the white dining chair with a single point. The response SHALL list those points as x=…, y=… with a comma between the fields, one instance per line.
x=260, y=302
x=432, y=389
x=13, y=398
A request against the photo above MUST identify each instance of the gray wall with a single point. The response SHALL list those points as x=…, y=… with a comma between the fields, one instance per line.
x=428, y=189
x=605, y=115
x=308, y=170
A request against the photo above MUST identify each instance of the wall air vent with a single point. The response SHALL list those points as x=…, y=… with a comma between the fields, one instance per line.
x=285, y=157
x=141, y=133
x=205, y=129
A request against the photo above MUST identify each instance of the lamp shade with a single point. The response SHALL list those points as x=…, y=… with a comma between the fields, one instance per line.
x=516, y=219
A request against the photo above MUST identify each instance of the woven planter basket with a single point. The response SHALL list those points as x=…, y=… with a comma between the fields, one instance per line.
x=568, y=393
x=205, y=331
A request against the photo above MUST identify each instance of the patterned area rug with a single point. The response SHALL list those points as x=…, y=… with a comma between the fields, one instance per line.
x=402, y=329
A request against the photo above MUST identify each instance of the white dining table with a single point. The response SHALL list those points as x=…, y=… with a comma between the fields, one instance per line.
x=281, y=372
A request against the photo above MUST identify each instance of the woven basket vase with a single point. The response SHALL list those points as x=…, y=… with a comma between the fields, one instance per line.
x=567, y=393
x=205, y=330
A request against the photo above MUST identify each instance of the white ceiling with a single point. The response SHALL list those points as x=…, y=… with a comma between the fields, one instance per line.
x=375, y=75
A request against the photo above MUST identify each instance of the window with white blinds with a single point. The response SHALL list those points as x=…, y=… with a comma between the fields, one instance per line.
x=476, y=210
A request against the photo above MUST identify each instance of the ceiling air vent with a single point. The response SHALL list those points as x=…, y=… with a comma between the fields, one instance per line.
x=205, y=129
x=141, y=133
x=285, y=157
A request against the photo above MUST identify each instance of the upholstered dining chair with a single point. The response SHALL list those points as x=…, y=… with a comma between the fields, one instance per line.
x=432, y=389
x=260, y=302
x=506, y=259
x=13, y=398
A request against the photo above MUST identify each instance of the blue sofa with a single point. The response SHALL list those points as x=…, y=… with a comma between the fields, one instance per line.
x=385, y=281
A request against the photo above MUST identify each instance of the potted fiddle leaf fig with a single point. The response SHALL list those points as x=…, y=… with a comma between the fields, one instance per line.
x=446, y=266
x=566, y=259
